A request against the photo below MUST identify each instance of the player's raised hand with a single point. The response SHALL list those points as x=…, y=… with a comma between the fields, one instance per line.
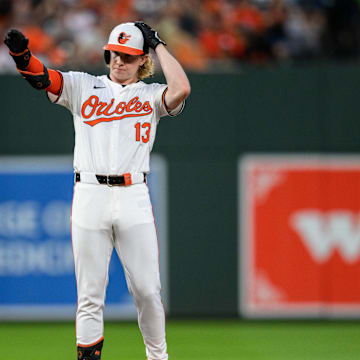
x=151, y=36
x=16, y=41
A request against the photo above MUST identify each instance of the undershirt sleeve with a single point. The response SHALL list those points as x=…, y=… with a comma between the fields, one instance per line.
x=159, y=99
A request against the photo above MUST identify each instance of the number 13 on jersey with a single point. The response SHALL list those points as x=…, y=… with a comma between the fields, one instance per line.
x=146, y=126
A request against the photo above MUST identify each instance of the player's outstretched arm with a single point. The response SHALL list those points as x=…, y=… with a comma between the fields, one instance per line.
x=177, y=81
x=29, y=66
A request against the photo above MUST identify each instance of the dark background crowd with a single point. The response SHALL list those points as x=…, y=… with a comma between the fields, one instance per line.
x=204, y=35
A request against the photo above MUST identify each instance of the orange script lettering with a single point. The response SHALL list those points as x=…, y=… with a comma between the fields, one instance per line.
x=132, y=108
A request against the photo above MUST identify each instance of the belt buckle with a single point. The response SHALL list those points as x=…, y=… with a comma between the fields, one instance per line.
x=107, y=181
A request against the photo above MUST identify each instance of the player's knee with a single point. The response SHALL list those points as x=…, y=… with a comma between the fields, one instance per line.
x=147, y=300
x=146, y=290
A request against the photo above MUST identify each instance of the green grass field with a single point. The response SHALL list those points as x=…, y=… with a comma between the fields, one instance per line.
x=192, y=340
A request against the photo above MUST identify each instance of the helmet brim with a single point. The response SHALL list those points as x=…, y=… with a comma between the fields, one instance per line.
x=124, y=49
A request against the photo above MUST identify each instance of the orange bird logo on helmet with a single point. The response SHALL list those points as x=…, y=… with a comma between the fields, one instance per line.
x=123, y=38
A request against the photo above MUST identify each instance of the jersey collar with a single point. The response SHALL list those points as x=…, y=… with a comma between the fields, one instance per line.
x=113, y=82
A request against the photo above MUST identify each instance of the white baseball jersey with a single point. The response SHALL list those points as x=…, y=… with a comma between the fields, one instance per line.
x=115, y=125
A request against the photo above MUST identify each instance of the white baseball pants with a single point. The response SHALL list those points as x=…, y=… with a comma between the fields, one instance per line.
x=104, y=218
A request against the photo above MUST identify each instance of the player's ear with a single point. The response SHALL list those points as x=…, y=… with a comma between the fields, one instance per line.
x=144, y=59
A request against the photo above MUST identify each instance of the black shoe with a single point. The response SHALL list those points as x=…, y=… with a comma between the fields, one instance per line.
x=90, y=352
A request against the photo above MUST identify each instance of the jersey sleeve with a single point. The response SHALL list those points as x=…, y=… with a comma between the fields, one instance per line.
x=159, y=101
x=71, y=87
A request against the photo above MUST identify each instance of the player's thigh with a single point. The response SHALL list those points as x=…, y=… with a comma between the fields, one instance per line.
x=91, y=208
x=137, y=247
x=91, y=247
x=91, y=231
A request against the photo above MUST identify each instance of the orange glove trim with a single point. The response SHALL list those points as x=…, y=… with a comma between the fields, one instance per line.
x=18, y=54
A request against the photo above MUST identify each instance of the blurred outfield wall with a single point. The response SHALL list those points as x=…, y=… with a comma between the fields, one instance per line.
x=288, y=110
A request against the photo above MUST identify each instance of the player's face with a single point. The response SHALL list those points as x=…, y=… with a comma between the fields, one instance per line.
x=124, y=67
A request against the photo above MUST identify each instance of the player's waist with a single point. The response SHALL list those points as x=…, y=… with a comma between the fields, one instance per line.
x=110, y=180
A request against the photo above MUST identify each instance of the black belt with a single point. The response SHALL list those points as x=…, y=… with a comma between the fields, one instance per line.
x=111, y=180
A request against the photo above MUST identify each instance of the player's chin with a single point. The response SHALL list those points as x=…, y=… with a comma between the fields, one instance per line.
x=119, y=74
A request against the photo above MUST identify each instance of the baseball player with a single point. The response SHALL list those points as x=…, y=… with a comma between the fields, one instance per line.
x=115, y=118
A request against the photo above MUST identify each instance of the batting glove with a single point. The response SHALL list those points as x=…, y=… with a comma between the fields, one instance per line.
x=151, y=36
x=16, y=41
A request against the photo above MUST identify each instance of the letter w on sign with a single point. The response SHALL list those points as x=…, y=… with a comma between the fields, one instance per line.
x=323, y=233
